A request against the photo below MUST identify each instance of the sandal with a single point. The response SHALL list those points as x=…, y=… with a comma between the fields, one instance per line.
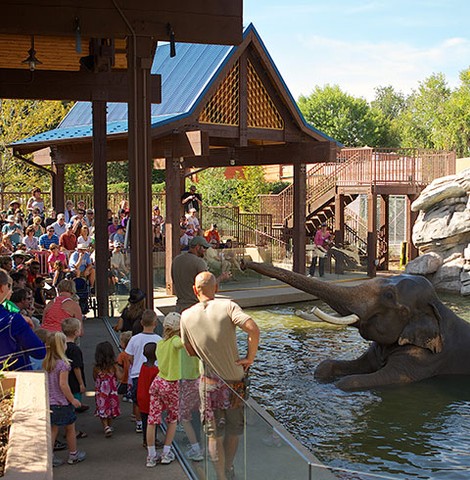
x=81, y=434
x=108, y=431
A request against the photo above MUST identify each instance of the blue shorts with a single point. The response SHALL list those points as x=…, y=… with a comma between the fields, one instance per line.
x=63, y=415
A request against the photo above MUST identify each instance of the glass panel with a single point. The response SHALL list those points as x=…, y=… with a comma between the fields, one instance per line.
x=241, y=429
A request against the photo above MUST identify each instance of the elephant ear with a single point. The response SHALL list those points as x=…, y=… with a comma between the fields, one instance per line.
x=423, y=329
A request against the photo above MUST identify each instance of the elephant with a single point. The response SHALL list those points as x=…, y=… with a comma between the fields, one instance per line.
x=414, y=335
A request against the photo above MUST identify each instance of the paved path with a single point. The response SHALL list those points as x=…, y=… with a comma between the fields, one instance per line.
x=121, y=456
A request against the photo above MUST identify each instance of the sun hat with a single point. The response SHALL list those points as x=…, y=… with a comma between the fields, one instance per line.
x=136, y=295
x=14, y=201
x=20, y=253
x=11, y=218
x=172, y=320
x=195, y=241
x=82, y=246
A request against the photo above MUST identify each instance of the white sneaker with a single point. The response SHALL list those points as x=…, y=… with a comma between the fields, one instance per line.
x=167, y=458
x=195, y=455
x=152, y=461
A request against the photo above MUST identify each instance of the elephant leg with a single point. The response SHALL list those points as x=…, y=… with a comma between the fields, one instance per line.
x=328, y=370
x=408, y=366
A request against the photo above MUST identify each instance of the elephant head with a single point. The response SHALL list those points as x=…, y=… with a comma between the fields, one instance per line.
x=402, y=309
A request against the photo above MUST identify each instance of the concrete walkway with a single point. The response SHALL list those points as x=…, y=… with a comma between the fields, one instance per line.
x=121, y=456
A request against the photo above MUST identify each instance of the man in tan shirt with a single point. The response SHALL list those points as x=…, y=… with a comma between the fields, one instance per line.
x=208, y=330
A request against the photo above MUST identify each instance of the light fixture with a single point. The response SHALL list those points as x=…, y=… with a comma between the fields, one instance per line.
x=32, y=61
x=171, y=34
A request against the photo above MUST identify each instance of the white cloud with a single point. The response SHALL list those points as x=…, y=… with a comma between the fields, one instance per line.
x=358, y=67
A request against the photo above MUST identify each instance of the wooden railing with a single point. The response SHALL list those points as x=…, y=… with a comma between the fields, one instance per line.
x=114, y=199
x=363, y=167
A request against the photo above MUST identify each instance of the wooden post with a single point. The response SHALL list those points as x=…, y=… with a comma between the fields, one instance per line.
x=384, y=229
x=339, y=228
x=172, y=217
x=140, y=55
x=299, y=233
x=58, y=181
x=100, y=202
x=371, y=234
x=410, y=221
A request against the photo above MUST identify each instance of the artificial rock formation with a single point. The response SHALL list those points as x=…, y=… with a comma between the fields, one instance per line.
x=442, y=233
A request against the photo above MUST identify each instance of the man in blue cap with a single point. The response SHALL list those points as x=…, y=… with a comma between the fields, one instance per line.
x=184, y=269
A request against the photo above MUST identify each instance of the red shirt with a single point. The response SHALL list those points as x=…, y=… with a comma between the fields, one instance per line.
x=146, y=376
x=67, y=241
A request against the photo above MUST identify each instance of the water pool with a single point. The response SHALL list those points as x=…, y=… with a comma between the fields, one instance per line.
x=415, y=431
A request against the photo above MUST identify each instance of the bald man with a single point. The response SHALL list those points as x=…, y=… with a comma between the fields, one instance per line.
x=208, y=330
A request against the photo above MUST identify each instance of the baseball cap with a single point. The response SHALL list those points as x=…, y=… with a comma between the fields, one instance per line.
x=82, y=246
x=11, y=218
x=172, y=320
x=195, y=241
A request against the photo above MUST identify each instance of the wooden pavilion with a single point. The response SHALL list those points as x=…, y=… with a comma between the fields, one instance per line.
x=221, y=106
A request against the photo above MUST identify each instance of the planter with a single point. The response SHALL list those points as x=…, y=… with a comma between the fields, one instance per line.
x=29, y=446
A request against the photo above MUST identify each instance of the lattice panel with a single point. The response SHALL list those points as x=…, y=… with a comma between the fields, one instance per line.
x=262, y=112
x=223, y=107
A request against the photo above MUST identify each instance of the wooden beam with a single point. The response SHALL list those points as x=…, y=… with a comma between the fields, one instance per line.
x=372, y=234
x=299, y=231
x=140, y=166
x=172, y=216
x=64, y=85
x=100, y=201
x=263, y=155
x=198, y=21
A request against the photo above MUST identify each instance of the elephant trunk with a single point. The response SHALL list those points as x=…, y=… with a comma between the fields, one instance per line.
x=344, y=300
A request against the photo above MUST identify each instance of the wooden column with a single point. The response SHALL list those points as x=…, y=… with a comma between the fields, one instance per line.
x=299, y=233
x=384, y=230
x=100, y=203
x=172, y=216
x=412, y=251
x=371, y=234
x=140, y=54
x=58, y=191
x=339, y=228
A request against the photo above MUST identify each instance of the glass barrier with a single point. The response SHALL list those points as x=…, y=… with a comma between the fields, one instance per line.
x=238, y=428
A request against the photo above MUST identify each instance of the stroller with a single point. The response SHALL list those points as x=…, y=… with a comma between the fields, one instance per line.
x=84, y=294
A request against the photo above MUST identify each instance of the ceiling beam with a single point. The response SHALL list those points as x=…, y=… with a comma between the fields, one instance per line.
x=64, y=85
x=264, y=155
x=195, y=21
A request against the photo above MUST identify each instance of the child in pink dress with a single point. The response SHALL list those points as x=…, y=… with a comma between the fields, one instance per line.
x=106, y=374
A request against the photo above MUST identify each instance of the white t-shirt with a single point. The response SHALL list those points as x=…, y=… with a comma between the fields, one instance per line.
x=135, y=347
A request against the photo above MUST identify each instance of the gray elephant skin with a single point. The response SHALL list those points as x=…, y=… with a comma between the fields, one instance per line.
x=414, y=335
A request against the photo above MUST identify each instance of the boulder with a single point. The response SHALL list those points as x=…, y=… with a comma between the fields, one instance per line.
x=442, y=231
x=424, y=264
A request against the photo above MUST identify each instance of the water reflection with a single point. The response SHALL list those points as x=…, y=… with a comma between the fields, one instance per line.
x=414, y=431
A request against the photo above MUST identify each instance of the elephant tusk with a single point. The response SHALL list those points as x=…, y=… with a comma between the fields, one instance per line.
x=347, y=320
x=307, y=316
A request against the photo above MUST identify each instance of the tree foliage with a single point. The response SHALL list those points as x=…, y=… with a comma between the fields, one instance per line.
x=349, y=120
x=21, y=119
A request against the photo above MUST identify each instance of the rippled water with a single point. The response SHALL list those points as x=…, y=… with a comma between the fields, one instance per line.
x=417, y=431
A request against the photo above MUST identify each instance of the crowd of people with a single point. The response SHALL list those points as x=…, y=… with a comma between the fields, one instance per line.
x=41, y=324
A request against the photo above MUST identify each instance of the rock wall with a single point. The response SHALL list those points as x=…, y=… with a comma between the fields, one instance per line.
x=442, y=233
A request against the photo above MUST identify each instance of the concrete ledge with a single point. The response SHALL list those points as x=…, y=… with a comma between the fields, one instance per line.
x=29, y=453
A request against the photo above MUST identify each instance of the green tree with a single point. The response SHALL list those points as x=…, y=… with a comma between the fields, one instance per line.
x=215, y=188
x=21, y=119
x=250, y=186
x=425, y=114
x=345, y=118
x=453, y=132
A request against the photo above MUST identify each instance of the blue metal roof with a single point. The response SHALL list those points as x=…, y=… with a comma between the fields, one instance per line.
x=185, y=78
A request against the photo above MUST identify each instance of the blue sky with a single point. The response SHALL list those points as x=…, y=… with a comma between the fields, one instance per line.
x=360, y=45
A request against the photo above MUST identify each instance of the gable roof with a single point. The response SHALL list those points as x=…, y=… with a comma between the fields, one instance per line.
x=186, y=79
